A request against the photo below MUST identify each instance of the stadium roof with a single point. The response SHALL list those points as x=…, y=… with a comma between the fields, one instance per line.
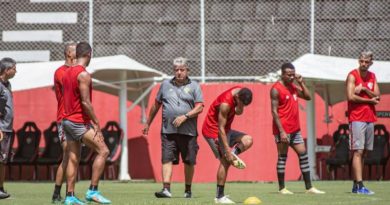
x=329, y=74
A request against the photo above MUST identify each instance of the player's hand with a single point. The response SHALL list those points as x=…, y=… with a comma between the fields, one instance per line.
x=98, y=137
x=375, y=100
x=298, y=78
x=359, y=89
x=145, y=131
x=179, y=120
x=1, y=135
x=284, y=138
x=229, y=157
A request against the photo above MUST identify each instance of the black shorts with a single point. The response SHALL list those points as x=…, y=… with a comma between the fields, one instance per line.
x=5, y=147
x=174, y=144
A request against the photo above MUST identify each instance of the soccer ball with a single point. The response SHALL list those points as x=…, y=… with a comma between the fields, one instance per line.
x=252, y=200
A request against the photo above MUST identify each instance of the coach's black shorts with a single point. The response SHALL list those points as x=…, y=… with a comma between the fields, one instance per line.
x=174, y=144
x=5, y=147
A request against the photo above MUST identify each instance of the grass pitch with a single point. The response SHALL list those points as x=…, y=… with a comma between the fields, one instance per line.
x=337, y=192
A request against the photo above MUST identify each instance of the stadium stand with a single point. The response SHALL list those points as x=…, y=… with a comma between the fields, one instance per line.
x=143, y=29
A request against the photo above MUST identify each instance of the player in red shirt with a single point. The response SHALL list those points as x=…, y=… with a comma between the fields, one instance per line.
x=225, y=142
x=284, y=105
x=363, y=94
x=70, y=59
x=81, y=124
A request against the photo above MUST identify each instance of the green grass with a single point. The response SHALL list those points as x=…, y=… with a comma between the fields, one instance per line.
x=337, y=192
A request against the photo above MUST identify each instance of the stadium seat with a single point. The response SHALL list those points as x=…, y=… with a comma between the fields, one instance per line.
x=378, y=8
x=141, y=32
x=352, y=49
x=244, y=10
x=104, y=49
x=366, y=29
x=303, y=48
x=380, y=48
x=266, y=9
x=153, y=11
x=276, y=31
x=355, y=9
x=344, y=30
x=132, y=12
x=113, y=136
x=220, y=11
x=263, y=51
x=329, y=9
x=298, y=30
x=163, y=32
x=172, y=51
x=253, y=31
x=293, y=9
x=323, y=29
x=109, y=12
x=27, y=150
x=176, y=11
x=240, y=51
x=131, y=50
x=120, y=33
x=193, y=53
x=340, y=157
x=101, y=33
x=51, y=154
x=380, y=153
x=212, y=31
x=188, y=31
x=217, y=51
x=286, y=51
x=230, y=31
x=383, y=30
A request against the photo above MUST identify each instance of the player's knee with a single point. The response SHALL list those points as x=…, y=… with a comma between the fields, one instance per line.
x=248, y=141
x=104, y=152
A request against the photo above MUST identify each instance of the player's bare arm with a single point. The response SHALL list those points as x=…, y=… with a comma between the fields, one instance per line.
x=223, y=113
x=274, y=110
x=153, y=111
x=372, y=94
x=304, y=91
x=84, y=80
x=351, y=95
x=192, y=113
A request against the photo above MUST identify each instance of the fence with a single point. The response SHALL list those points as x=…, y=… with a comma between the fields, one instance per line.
x=242, y=37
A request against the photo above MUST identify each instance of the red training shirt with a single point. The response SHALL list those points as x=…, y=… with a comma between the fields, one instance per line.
x=362, y=112
x=210, y=124
x=72, y=98
x=58, y=89
x=287, y=109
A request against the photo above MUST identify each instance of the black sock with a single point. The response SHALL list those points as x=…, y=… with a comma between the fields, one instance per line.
x=220, y=191
x=188, y=188
x=305, y=169
x=280, y=169
x=93, y=188
x=354, y=184
x=71, y=193
x=236, y=150
x=2, y=189
x=167, y=186
x=57, y=189
x=359, y=184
